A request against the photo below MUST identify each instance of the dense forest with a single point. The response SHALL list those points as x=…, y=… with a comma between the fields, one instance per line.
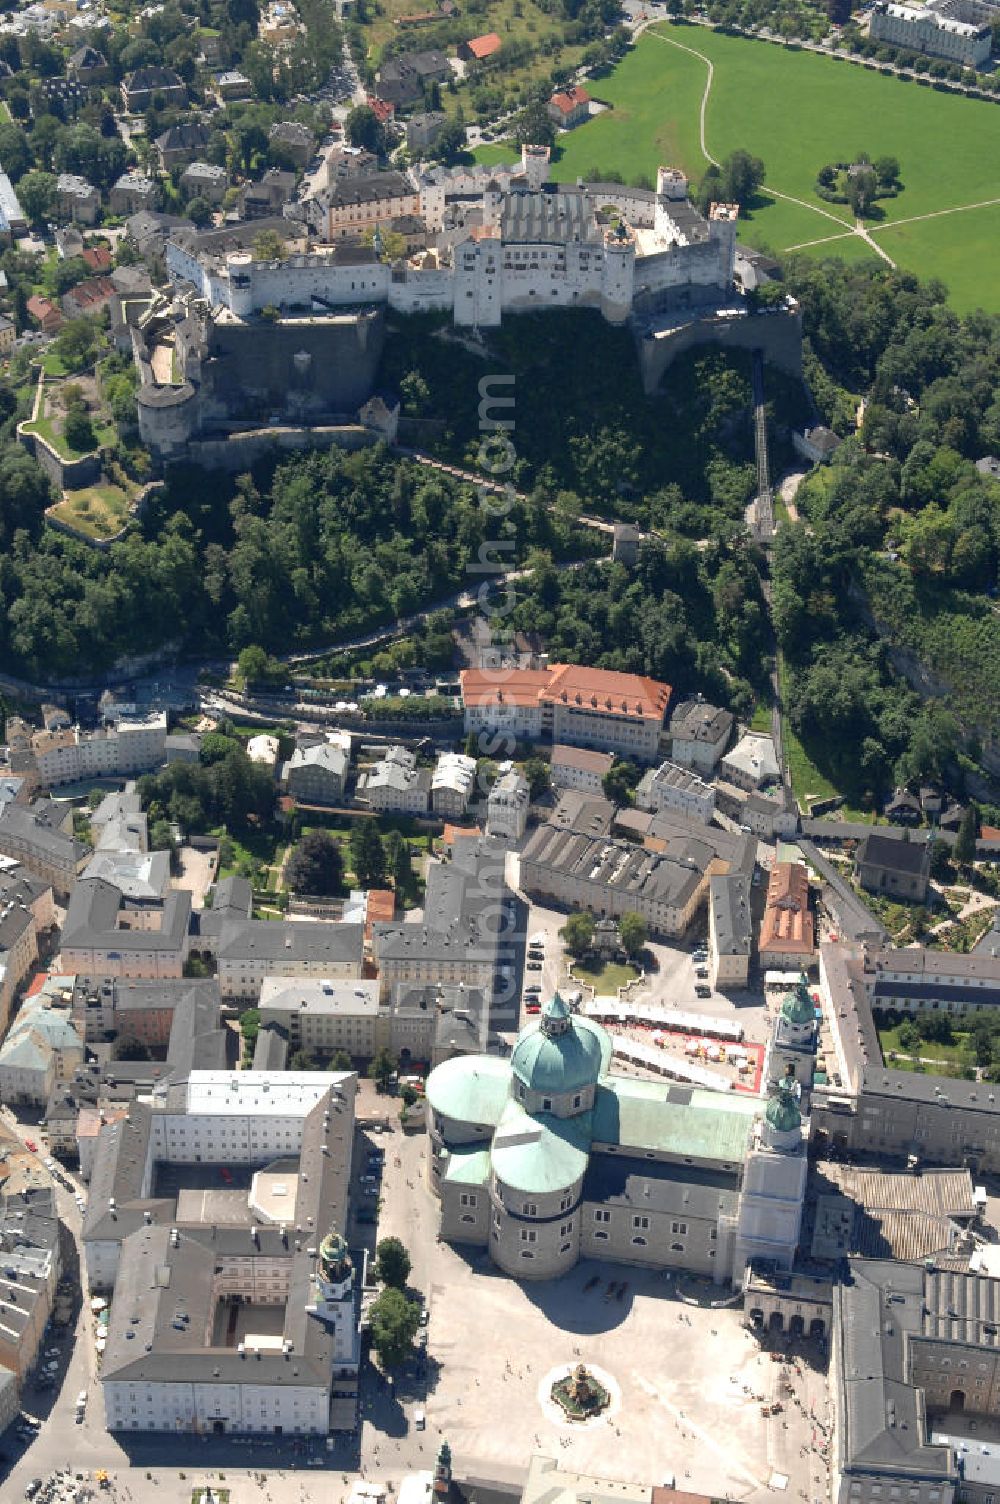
x=899, y=541
x=323, y=545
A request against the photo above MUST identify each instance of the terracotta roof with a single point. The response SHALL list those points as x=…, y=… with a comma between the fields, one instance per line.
x=380, y=909
x=568, y=100
x=522, y=686
x=484, y=46
x=601, y=689
x=92, y=292
x=381, y=108
x=568, y=684
x=97, y=257
x=787, y=924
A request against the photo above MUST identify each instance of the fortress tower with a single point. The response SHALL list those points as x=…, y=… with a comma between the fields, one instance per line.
x=722, y=221
x=618, y=274
x=535, y=165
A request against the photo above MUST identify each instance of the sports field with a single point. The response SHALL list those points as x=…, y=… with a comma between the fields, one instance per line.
x=797, y=111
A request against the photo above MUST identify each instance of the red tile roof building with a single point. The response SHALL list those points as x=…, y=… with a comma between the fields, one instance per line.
x=787, y=936
x=581, y=707
x=568, y=107
x=478, y=49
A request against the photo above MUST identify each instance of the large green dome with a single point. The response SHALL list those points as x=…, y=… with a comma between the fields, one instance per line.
x=782, y=1111
x=560, y=1053
x=798, y=1005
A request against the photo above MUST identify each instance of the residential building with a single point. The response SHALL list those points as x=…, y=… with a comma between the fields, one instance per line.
x=108, y=933
x=138, y=1012
x=142, y=877
x=898, y=869
x=29, y=1254
x=586, y=707
x=275, y=189
x=8, y=335
x=141, y=88
x=752, y=763
x=317, y=774
x=43, y=1048
x=252, y=949
x=903, y=808
x=89, y=297
x=507, y=807
x=358, y=204
x=99, y=258
x=88, y=66
x=76, y=199
x=263, y=749
x=244, y=1324
x=396, y=784
x=579, y=768
x=293, y=139
x=133, y=191
x=480, y=49
x=570, y=106
x=135, y=744
x=547, y=1157
x=459, y=939
x=815, y=444
x=922, y=28
x=44, y=313
x=910, y=1344
x=423, y=130
x=787, y=938
x=26, y=909
x=699, y=734
x=205, y=180
x=323, y=1015
x=730, y=930
x=401, y=80
x=665, y=881
x=232, y=84
x=179, y=143
x=12, y=217
x=50, y=854
x=671, y=786
x=453, y=784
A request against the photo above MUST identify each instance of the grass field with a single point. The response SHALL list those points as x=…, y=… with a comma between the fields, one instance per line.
x=798, y=111
x=47, y=429
x=605, y=979
x=96, y=511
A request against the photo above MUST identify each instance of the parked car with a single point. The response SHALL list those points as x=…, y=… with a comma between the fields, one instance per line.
x=702, y=991
x=532, y=1008
x=419, y=1420
x=533, y=966
x=701, y=972
x=31, y=1146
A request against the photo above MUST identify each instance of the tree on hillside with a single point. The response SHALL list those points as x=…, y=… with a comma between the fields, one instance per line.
x=577, y=934
x=964, y=850
x=78, y=430
x=742, y=175
x=392, y=1263
x=394, y=1324
x=363, y=128
x=398, y=860
x=532, y=126
x=620, y=780
x=315, y=866
x=380, y=1068
x=254, y=666
x=537, y=776
x=633, y=932
x=862, y=187
x=37, y=192
x=367, y=853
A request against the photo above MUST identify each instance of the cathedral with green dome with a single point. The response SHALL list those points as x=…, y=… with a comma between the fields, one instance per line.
x=549, y=1156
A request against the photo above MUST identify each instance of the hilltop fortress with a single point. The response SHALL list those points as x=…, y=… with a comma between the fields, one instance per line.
x=240, y=342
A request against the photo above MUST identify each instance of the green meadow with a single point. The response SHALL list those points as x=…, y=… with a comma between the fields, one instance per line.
x=797, y=111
